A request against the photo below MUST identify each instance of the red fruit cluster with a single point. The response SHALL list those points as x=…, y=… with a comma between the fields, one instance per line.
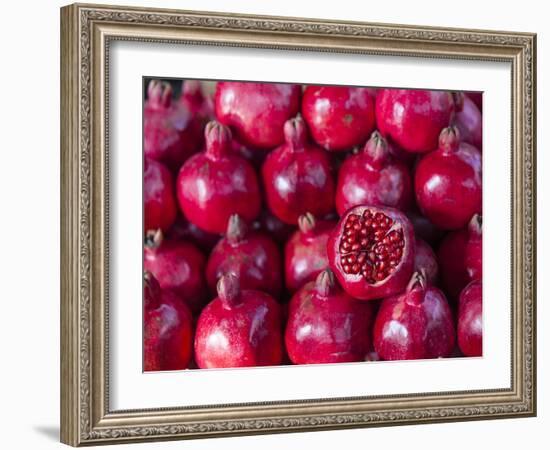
x=289, y=224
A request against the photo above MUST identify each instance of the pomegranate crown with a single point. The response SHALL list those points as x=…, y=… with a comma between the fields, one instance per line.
x=217, y=138
x=191, y=90
x=325, y=283
x=416, y=288
x=229, y=290
x=307, y=223
x=159, y=94
x=377, y=149
x=458, y=101
x=449, y=139
x=153, y=238
x=236, y=229
x=295, y=132
x=475, y=225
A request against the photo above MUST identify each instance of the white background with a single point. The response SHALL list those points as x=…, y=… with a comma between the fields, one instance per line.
x=30, y=226
x=132, y=389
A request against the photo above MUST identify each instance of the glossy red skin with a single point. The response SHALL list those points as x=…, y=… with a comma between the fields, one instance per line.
x=331, y=329
x=425, y=261
x=355, y=285
x=298, y=181
x=474, y=256
x=448, y=186
x=412, y=118
x=306, y=255
x=159, y=203
x=361, y=181
x=167, y=334
x=470, y=320
x=183, y=229
x=469, y=123
x=414, y=325
x=339, y=117
x=256, y=260
x=170, y=134
x=257, y=112
x=423, y=228
x=211, y=189
x=245, y=335
x=451, y=257
x=178, y=266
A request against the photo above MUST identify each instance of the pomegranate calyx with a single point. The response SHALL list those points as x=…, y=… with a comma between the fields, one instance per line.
x=191, y=90
x=475, y=225
x=236, y=229
x=295, y=133
x=153, y=238
x=325, y=283
x=229, y=290
x=218, y=139
x=377, y=150
x=307, y=223
x=449, y=139
x=151, y=291
x=159, y=94
x=458, y=101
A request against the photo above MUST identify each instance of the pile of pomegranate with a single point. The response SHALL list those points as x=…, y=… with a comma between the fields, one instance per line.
x=289, y=224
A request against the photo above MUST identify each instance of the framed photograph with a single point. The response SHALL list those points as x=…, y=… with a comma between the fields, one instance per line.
x=277, y=225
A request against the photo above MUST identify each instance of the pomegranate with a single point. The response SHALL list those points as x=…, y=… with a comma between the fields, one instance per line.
x=170, y=132
x=413, y=118
x=326, y=325
x=373, y=177
x=460, y=257
x=470, y=320
x=425, y=261
x=167, y=329
x=193, y=98
x=339, y=117
x=178, y=266
x=257, y=112
x=306, y=251
x=298, y=177
x=216, y=183
x=477, y=98
x=252, y=256
x=371, y=251
x=239, y=328
x=416, y=324
x=159, y=203
x=468, y=120
x=448, y=182
x=185, y=230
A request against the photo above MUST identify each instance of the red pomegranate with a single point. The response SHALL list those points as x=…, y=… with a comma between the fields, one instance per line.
x=178, y=266
x=416, y=324
x=239, y=329
x=326, y=325
x=425, y=261
x=298, y=176
x=470, y=320
x=373, y=177
x=448, y=182
x=167, y=329
x=306, y=251
x=371, y=251
x=252, y=256
x=469, y=122
x=339, y=117
x=460, y=257
x=159, y=203
x=216, y=183
x=170, y=132
x=413, y=118
x=257, y=112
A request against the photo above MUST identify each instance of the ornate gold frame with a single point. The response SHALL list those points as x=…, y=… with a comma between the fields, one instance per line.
x=86, y=31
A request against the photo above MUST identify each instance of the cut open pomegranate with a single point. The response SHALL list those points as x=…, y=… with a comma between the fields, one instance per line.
x=371, y=251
